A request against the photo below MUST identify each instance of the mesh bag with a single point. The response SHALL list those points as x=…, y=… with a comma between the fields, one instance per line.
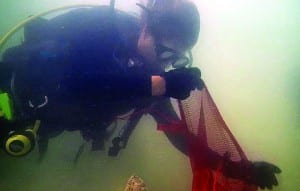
x=218, y=162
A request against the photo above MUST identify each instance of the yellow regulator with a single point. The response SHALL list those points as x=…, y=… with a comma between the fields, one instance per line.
x=20, y=143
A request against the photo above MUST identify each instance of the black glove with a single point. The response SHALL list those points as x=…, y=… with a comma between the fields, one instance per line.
x=179, y=82
x=263, y=174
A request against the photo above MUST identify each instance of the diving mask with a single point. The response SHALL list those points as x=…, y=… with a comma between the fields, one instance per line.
x=169, y=56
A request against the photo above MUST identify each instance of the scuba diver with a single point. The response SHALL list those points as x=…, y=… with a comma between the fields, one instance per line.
x=81, y=69
x=96, y=63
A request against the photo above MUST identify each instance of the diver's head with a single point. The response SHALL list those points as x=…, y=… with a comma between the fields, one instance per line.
x=169, y=31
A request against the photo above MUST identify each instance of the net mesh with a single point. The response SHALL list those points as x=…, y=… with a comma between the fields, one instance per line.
x=218, y=162
x=204, y=121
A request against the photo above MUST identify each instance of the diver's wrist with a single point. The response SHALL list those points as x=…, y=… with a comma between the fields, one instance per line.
x=158, y=86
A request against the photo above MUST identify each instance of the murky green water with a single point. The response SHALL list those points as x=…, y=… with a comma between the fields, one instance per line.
x=248, y=52
x=148, y=155
x=249, y=55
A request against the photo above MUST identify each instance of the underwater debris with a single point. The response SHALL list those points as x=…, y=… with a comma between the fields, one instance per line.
x=135, y=183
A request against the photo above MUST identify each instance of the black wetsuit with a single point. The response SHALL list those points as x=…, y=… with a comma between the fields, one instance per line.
x=86, y=63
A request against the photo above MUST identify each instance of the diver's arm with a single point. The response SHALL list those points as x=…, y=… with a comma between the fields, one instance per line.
x=162, y=112
x=176, y=83
x=112, y=85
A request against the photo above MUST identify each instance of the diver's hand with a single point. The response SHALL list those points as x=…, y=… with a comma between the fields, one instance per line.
x=179, y=82
x=263, y=174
